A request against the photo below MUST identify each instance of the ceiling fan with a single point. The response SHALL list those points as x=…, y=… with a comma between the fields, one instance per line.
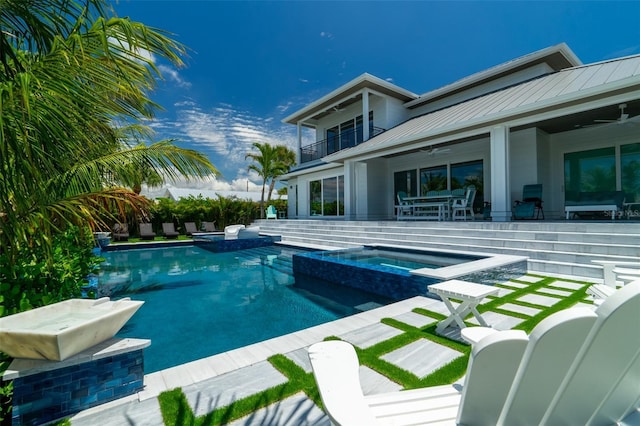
x=435, y=150
x=624, y=117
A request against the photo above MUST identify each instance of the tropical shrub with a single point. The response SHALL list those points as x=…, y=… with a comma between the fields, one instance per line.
x=33, y=281
x=223, y=210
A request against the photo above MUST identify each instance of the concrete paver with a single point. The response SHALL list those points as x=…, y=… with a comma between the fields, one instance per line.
x=421, y=357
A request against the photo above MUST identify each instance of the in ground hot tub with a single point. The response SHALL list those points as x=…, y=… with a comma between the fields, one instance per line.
x=399, y=272
x=56, y=332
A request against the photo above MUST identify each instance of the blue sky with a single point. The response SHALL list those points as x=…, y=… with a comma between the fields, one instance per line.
x=251, y=64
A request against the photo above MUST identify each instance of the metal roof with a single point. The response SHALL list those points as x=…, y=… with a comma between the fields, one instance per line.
x=512, y=106
x=557, y=57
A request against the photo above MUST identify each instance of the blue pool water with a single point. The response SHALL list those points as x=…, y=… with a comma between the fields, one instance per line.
x=199, y=303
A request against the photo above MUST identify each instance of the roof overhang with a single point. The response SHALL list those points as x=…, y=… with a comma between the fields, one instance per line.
x=345, y=95
x=397, y=141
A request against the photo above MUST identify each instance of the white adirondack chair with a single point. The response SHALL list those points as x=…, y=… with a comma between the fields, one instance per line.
x=578, y=367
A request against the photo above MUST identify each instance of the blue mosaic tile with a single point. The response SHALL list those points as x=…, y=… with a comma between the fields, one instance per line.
x=51, y=395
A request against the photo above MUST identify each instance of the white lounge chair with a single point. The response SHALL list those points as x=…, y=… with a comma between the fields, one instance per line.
x=611, y=268
x=249, y=232
x=577, y=367
x=231, y=232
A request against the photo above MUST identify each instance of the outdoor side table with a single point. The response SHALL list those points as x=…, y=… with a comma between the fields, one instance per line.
x=471, y=294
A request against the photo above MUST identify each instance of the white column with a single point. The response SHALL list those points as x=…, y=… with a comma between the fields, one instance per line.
x=299, y=150
x=349, y=190
x=500, y=192
x=365, y=114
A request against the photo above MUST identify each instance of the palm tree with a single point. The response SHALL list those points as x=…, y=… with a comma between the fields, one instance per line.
x=74, y=81
x=270, y=162
x=285, y=158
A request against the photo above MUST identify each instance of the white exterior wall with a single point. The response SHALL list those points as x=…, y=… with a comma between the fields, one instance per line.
x=523, y=161
x=396, y=113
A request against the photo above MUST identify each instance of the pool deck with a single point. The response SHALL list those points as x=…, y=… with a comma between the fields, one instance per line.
x=216, y=381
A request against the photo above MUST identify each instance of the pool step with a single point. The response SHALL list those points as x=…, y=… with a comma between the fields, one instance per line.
x=562, y=248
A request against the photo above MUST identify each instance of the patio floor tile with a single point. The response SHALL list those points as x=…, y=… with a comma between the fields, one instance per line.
x=515, y=285
x=566, y=285
x=301, y=358
x=497, y=320
x=421, y=357
x=293, y=411
x=415, y=320
x=373, y=382
x=207, y=395
x=539, y=299
x=554, y=291
x=370, y=335
x=520, y=309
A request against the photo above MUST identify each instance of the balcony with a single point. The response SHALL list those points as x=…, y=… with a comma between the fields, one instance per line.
x=344, y=140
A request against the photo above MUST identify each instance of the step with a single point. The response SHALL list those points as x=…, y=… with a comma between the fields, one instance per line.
x=552, y=247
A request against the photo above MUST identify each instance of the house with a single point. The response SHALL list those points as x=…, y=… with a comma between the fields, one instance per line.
x=544, y=118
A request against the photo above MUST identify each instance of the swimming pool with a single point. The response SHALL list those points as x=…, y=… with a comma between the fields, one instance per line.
x=199, y=303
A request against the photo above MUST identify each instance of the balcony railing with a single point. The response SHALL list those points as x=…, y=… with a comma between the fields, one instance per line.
x=336, y=143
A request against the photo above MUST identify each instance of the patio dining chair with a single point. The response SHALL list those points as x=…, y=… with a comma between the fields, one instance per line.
x=461, y=206
x=403, y=208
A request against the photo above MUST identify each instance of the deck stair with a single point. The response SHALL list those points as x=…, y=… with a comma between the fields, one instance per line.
x=553, y=248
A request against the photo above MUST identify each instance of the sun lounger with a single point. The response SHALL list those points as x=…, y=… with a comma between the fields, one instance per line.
x=169, y=230
x=120, y=232
x=146, y=231
x=190, y=228
x=231, y=232
x=209, y=226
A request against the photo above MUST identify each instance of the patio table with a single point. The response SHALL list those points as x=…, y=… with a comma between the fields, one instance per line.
x=471, y=294
x=441, y=202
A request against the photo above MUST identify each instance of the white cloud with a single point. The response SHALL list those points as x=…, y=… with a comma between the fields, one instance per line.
x=174, y=76
x=225, y=134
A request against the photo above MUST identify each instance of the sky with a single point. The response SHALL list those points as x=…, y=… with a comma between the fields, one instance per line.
x=252, y=63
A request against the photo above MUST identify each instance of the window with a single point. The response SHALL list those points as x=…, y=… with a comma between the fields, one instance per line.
x=439, y=178
x=433, y=179
x=469, y=173
x=327, y=196
x=589, y=171
x=630, y=171
x=405, y=181
x=333, y=140
x=347, y=134
x=315, y=197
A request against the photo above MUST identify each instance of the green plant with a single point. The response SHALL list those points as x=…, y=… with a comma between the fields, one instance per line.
x=32, y=280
